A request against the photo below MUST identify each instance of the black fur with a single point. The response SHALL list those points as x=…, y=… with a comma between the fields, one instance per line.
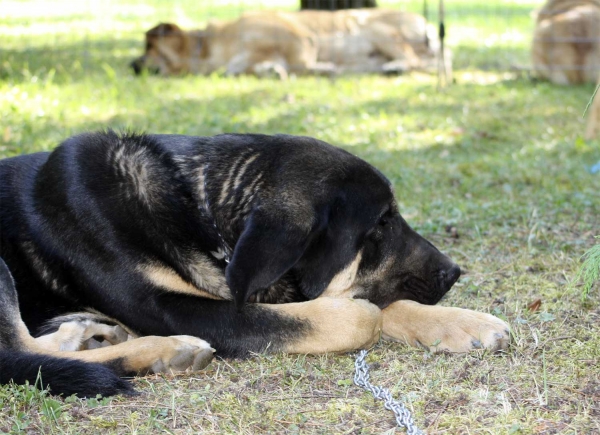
x=247, y=218
x=61, y=375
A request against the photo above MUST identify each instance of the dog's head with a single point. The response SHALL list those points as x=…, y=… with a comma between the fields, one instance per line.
x=329, y=221
x=165, y=51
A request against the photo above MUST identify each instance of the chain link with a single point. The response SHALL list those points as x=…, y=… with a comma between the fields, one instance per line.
x=361, y=378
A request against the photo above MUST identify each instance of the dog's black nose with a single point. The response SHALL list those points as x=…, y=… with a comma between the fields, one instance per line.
x=452, y=275
x=135, y=65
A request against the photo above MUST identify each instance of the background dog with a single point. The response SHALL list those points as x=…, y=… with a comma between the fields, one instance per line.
x=155, y=243
x=566, y=42
x=359, y=40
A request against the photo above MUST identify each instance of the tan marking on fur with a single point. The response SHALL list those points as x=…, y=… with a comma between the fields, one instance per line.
x=134, y=164
x=201, y=184
x=169, y=280
x=242, y=171
x=25, y=341
x=207, y=276
x=250, y=191
x=337, y=325
x=224, y=190
x=341, y=285
x=227, y=184
x=443, y=328
x=378, y=275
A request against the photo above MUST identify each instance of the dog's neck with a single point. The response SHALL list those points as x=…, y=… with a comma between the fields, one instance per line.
x=224, y=251
x=196, y=169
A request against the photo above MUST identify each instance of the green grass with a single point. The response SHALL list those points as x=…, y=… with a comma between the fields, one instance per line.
x=495, y=156
x=589, y=271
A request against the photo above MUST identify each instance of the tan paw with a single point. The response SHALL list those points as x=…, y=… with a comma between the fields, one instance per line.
x=77, y=335
x=99, y=335
x=467, y=330
x=152, y=354
x=444, y=329
x=183, y=353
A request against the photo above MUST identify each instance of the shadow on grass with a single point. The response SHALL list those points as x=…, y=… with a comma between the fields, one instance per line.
x=70, y=62
x=496, y=58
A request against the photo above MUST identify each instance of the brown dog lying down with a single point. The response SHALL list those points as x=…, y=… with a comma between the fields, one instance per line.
x=359, y=40
x=566, y=43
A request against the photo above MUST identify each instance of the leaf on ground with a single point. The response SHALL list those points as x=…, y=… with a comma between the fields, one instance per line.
x=535, y=305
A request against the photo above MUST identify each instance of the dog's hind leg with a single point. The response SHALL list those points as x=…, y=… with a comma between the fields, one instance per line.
x=388, y=41
x=24, y=358
x=21, y=363
x=142, y=355
x=99, y=338
x=83, y=334
x=88, y=337
x=81, y=331
x=259, y=64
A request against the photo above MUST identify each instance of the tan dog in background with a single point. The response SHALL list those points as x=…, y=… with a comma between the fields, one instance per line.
x=566, y=43
x=359, y=40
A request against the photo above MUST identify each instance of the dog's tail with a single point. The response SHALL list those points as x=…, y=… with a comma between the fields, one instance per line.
x=61, y=375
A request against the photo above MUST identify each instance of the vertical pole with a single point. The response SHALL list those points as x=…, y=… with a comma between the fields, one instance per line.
x=442, y=73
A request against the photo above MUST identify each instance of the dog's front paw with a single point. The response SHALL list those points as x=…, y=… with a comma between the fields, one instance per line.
x=444, y=329
x=466, y=330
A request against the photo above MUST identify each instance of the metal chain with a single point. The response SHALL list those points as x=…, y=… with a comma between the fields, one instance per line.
x=361, y=378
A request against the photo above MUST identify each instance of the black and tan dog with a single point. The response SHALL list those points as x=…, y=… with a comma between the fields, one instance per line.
x=155, y=243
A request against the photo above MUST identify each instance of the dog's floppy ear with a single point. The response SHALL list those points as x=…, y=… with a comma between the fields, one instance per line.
x=335, y=249
x=269, y=246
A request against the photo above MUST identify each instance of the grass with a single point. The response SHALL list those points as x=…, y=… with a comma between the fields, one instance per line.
x=589, y=271
x=492, y=170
